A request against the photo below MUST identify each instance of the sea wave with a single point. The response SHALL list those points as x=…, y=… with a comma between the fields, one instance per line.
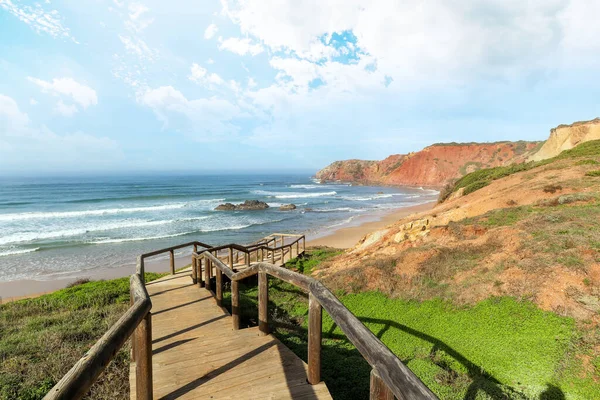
x=368, y=198
x=108, y=211
x=305, y=186
x=138, y=239
x=293, y=195
x=21, y=237
x=17, y=251
x=339, y=209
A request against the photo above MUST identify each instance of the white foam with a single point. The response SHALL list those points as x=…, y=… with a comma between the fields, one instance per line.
x=369, y=198
x=138, y=239
x=14, y=252
x=339, y=209
x=304, y=186
x=293, y=195
x=21, y=237
x=108, y=211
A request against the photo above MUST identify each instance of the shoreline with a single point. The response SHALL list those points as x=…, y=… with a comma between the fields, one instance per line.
x=342, y=237
x=347, y=236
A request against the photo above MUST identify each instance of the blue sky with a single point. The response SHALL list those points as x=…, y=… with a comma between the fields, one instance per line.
x=118, y=86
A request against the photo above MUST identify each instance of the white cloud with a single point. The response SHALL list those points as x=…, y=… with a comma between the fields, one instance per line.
x=66, y=110
x=81, y=94
x=202, y=76
x=33, y=102
x=39, y=19
x=12, y=120
x=241, y=46
x=416, y=42
x=210, y=31
x=138, y=21
x=210, y=61
x=73, y=150
x=138, y=48
x=202, y=119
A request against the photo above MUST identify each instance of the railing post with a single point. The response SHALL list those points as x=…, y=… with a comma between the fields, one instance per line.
x=315, y=320
x=247, y=259
x=141, y=269
x=207, y=268
x=379, y=390
x=200, y=278
x=194, y=271
x=172, y=254
x=298, y=248
x=273, y=255
x=231, y=257
x=303, y=244
x=235, y=304
x=219, y=289
x=143, y=364
x=263, y=303
x=195, y=265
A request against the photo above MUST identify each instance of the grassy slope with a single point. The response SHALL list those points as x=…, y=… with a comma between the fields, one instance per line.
x=499, y=348
x=41, y=339
x=480, y=179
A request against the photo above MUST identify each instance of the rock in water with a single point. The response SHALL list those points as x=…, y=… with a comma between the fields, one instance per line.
x=287, y=207
x=226, y=207
x=248, y=205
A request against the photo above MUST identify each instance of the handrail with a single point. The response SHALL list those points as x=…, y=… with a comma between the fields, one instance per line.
x=76, y=383
x=389, y=376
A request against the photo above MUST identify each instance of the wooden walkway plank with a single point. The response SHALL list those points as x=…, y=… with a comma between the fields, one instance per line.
x=198, y=355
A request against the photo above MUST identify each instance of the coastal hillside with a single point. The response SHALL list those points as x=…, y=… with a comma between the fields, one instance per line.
x=433, y=166
x=532, y=233
x=526, y=237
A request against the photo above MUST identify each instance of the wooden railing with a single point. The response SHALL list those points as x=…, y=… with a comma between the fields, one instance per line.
x=137, y=321
x=389, y=376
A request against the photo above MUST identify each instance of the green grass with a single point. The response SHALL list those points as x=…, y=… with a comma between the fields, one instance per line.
x=587, y=162
x=593, y=173
x=483, y=177
x=500, y=348
x=41, y=338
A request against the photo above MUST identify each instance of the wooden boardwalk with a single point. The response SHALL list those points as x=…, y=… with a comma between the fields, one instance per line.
x=197, y=355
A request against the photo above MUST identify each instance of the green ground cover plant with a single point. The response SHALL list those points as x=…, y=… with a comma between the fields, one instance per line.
x=500, y=348
x=41, y=339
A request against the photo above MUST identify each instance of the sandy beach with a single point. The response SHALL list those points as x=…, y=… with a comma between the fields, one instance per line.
x=347, y=237
x=344, y=237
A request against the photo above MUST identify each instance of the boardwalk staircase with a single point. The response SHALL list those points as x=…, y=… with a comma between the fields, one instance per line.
x=186, y=345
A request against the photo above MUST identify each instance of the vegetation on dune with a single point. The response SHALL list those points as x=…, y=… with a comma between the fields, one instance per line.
x=496, y=349
x=41, y=338
x=483, y=177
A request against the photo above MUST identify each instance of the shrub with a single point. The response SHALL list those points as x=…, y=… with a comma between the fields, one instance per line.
x=552, y=188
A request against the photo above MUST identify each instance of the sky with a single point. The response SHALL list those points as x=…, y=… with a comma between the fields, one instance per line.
x=282, y=85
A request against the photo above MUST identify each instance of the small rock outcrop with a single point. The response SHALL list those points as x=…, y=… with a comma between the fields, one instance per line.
x=287, y=207
x=248, y=205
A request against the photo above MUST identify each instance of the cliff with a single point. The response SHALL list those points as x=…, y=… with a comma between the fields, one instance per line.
x=433, y=166
x=565, y=137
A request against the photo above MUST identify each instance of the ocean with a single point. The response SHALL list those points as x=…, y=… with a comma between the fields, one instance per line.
x=60, y=227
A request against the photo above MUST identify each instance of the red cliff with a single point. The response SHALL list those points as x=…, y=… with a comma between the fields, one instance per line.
x=433, y=166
